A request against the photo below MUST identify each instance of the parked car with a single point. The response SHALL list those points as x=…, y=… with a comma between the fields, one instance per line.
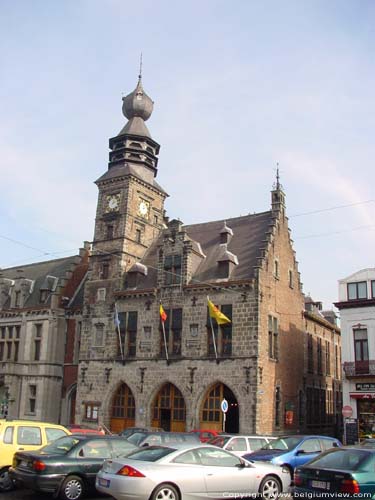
x=239, y=445
x=368, y=443
x=292, y=451
x=23, y=435
x=205, y=434
x=341, y=472
x=169, y=438
x=67, y=467
x=132, y=430
x=83, y=429
x=191, y=472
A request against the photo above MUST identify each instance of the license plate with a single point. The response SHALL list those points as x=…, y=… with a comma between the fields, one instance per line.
x=23, y=463
x=322, y=485
x=104, y=482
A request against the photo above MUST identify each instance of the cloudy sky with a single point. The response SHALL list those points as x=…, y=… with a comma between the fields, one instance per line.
x=238, y=86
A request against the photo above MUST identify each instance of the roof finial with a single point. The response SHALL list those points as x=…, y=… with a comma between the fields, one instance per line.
x=277, y=176
x=140, y=68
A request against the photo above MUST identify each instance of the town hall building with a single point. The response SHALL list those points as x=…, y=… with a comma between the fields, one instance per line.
x=136, y=369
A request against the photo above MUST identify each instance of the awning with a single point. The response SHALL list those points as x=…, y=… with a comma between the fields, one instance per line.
x=363, y=395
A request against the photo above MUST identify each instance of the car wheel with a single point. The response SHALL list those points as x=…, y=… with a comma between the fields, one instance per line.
x=165, y=492
x=6, y=484
x=270, y=487
x=72, y=488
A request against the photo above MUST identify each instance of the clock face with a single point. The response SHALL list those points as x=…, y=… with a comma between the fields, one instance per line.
x=143, y=208
x=113, y=202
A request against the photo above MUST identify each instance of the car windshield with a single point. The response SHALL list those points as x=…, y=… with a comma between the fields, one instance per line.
x=219, y=441
x=284, y=444
x=340, y=459
x=60, y=446
x=151, y=453
x=137, y=437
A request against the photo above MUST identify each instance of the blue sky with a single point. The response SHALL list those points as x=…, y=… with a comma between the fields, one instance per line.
x=238, y=87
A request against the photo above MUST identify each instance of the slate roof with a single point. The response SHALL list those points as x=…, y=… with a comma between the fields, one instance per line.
x=249, y=237
x=38, y=272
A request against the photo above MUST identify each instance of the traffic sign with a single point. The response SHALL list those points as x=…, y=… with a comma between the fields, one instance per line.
x=347, y=411
x=224, y=406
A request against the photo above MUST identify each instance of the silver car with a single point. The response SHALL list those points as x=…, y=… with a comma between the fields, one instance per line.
x=189, y=473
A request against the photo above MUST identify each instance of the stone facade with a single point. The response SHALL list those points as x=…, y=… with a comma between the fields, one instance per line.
x=133, y=373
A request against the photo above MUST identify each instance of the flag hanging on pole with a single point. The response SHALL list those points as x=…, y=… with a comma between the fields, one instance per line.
x=116, y=321
x=163, y=319
x=163, y=314
x=217, y=314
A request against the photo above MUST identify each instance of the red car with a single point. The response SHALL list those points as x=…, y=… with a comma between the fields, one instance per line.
x=83, y=429
x=205, y=434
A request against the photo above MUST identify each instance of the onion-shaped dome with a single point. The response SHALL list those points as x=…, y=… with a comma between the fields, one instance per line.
x=137, y=104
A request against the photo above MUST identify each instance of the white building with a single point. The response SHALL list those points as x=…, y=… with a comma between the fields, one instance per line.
x=357, y=310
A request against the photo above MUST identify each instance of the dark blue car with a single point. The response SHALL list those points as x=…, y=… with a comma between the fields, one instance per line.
x=292, y=451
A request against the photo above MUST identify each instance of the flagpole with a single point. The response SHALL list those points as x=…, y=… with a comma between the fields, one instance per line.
x=213, y=334
x=165, y=343
x=118, y=332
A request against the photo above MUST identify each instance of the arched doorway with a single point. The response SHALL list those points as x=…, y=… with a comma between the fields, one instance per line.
x=168, y=409
x=123, y=409
x=211, y=416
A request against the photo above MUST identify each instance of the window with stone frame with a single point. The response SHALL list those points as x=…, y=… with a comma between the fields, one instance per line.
x=373, y=289
x=127, y=338
x=104, y=270
x=98, y=340
x=173, y=332
x=172, y=269
x=2, y=348
x=319, y=356
x=92, y=411
x=310, y=353
x=337, y=361
x=273, y=338
x=328, y=357
x=38, y=328
x=32, y=398
x=219, y=335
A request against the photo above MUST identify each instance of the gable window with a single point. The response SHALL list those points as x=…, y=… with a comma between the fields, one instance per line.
x=221, y=333
x=172, y=269
x=105, y=270
x=173, y=329
x=273, y=338
x=99, y=335
x=276, y=268
x=127, y=343
x=357, y=290
x=290, y=278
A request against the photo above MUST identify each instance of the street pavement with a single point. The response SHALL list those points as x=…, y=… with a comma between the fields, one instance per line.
x=29, y=495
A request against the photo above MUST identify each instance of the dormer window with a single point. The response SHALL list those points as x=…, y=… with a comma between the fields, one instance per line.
x=226, y=234
x=172, y=269
x=134, y=274
x=357, y=290
x=17, y=298
x=43, y=296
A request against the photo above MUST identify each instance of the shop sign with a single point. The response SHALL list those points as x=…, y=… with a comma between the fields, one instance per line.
x=365, y=386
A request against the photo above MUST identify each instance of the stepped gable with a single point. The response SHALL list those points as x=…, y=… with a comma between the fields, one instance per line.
x=249, y=237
